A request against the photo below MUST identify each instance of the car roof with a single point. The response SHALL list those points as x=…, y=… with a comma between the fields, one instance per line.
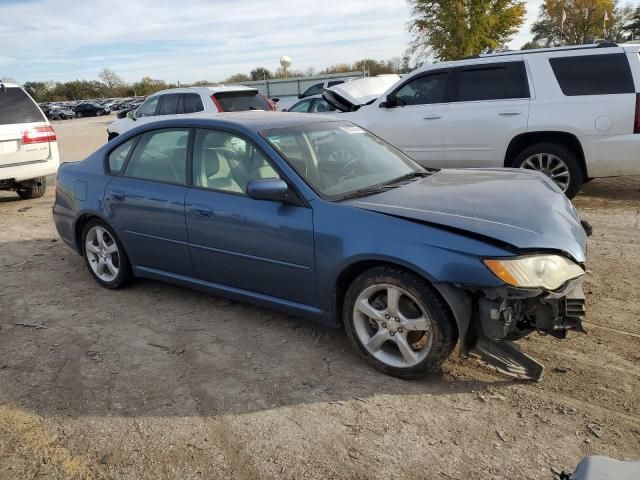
x=209, y=90
x=246, y=120
x=10, y=85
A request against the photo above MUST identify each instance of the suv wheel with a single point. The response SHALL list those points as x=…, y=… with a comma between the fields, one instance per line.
x=32, y=189
x=104, y=255
x=556, y=161
x=398, y=322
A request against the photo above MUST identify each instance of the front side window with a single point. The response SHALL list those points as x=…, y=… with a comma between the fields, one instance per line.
x=604, y=74
x=424, y=90
x=119, y=154
x=161, y=156
x=227, y=162
x=320, y=105
x=169, y=104
x=191, y=103
x=301, y=107
x=339, y=159
x=148, y=107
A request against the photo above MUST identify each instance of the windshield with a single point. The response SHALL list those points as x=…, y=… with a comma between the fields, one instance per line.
x=340, y=160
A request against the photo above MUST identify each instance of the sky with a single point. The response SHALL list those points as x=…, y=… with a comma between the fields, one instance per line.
x=197, y=39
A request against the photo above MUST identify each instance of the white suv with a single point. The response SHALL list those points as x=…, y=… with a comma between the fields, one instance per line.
x=28, y=145
x=180, y=101
x=572, y=112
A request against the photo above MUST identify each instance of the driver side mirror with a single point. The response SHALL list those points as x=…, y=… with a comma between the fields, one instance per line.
x=390, y=102
x=272, y=189
x=131, y=114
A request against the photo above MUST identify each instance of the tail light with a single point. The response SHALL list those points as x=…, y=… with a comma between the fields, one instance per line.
x=217, y=103
x=636, y=127
x=41, y=134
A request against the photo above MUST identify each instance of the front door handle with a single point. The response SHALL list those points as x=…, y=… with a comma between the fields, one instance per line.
x=509, y=114
x=118, y=195
x=432, y=117
x=201, y=210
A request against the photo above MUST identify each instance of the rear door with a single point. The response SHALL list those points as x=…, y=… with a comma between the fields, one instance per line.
x=489, y=107
x=19, y=114
x=145, y=199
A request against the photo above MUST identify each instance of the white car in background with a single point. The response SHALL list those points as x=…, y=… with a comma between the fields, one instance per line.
x=181, y=101
x=28, y=144
x=571, y=112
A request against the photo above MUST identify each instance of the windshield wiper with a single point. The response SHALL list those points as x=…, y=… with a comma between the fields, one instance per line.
x=363, y=192
x=404, y=178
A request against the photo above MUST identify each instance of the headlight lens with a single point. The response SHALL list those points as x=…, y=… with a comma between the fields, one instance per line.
x=535, y=271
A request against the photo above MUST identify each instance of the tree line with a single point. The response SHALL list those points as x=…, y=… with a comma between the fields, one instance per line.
x=441, y=30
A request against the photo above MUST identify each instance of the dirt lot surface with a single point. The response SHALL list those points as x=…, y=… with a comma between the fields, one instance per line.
x=156, y=381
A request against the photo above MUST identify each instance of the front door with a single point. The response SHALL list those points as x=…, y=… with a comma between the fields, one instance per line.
x=254, y=245
x=145, y=200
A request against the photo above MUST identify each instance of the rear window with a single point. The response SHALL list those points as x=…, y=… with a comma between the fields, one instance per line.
x=593, y=74
x=17, y=107
x=240, y=101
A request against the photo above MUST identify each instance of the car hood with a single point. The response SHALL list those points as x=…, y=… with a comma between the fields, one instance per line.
x=350, y=96
x=521, y=208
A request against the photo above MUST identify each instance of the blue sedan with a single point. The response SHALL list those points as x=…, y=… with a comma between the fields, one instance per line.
x=319, y=218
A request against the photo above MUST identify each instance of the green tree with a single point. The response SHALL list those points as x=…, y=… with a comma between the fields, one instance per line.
x=260, y=73
x=238, y=78
x=634, y=26
x=40, y=91
x=584, y=22
x=453, y=29
x=148, y=85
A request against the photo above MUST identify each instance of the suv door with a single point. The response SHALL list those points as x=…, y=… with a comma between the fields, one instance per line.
x=254, y=245
x=415, y=123
x=145, y=199
x=489, y=107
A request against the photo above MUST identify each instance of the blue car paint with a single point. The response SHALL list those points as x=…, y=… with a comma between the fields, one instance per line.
x=290, y=257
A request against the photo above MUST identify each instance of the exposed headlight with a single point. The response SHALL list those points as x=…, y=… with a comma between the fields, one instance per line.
x=535, y=271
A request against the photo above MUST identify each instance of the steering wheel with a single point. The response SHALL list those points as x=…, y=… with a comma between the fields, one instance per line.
x=350, y=163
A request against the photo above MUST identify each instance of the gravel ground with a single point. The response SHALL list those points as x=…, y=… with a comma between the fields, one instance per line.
x=156, y=381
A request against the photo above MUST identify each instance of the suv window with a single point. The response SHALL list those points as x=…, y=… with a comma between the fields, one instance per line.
x=191, y=103
x=302, y=107
x=169, y=104
x=119, y=154
x=241, y=100
x=493, y=82
x=426, y=89
x=148, y=108
x=227, y=162
x=314, y=90
x=17, y=107
x=161, y=156
x=593, y=74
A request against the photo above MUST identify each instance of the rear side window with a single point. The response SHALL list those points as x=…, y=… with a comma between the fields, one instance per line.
x=493, y=82
x=240, y=101
x=17, y=107
x=118, y=156
x=593, y=74
x=160, y=156
x=169, y=104
x=191, y=103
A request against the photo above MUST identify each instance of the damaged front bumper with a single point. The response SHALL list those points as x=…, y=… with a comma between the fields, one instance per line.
x=491, y=319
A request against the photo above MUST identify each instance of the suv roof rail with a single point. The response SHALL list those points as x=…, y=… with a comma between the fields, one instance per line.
x=600, y=44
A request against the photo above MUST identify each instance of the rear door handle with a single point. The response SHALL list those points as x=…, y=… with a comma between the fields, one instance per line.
x=117, y=195
x=432, y=117
x=509, y=114
x=201, y=210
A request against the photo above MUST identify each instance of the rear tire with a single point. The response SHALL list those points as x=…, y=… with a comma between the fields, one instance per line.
x=398, y=323
x=553, y=159
x=32, y=189
x=104, y=256
x=78, y=114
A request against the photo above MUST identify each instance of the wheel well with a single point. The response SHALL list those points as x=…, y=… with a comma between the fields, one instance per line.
x=348, y=275
x=80, y=223
x=524, y=140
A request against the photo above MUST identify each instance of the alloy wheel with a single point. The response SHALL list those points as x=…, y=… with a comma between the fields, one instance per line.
x=552, y=166
x=392, y=326
x=102, y=253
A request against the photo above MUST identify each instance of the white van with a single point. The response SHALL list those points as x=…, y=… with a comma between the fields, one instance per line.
x=28, y=146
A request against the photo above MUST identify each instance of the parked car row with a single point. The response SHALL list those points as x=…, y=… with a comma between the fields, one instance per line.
x=88, y=108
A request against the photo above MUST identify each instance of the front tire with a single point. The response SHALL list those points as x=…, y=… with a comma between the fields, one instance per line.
x=78, y=114
x=398, y=323
x=556, y=161
x=105, y=256
x=31, y=189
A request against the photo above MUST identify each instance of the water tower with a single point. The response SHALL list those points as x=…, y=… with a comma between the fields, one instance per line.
x=285, y=62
